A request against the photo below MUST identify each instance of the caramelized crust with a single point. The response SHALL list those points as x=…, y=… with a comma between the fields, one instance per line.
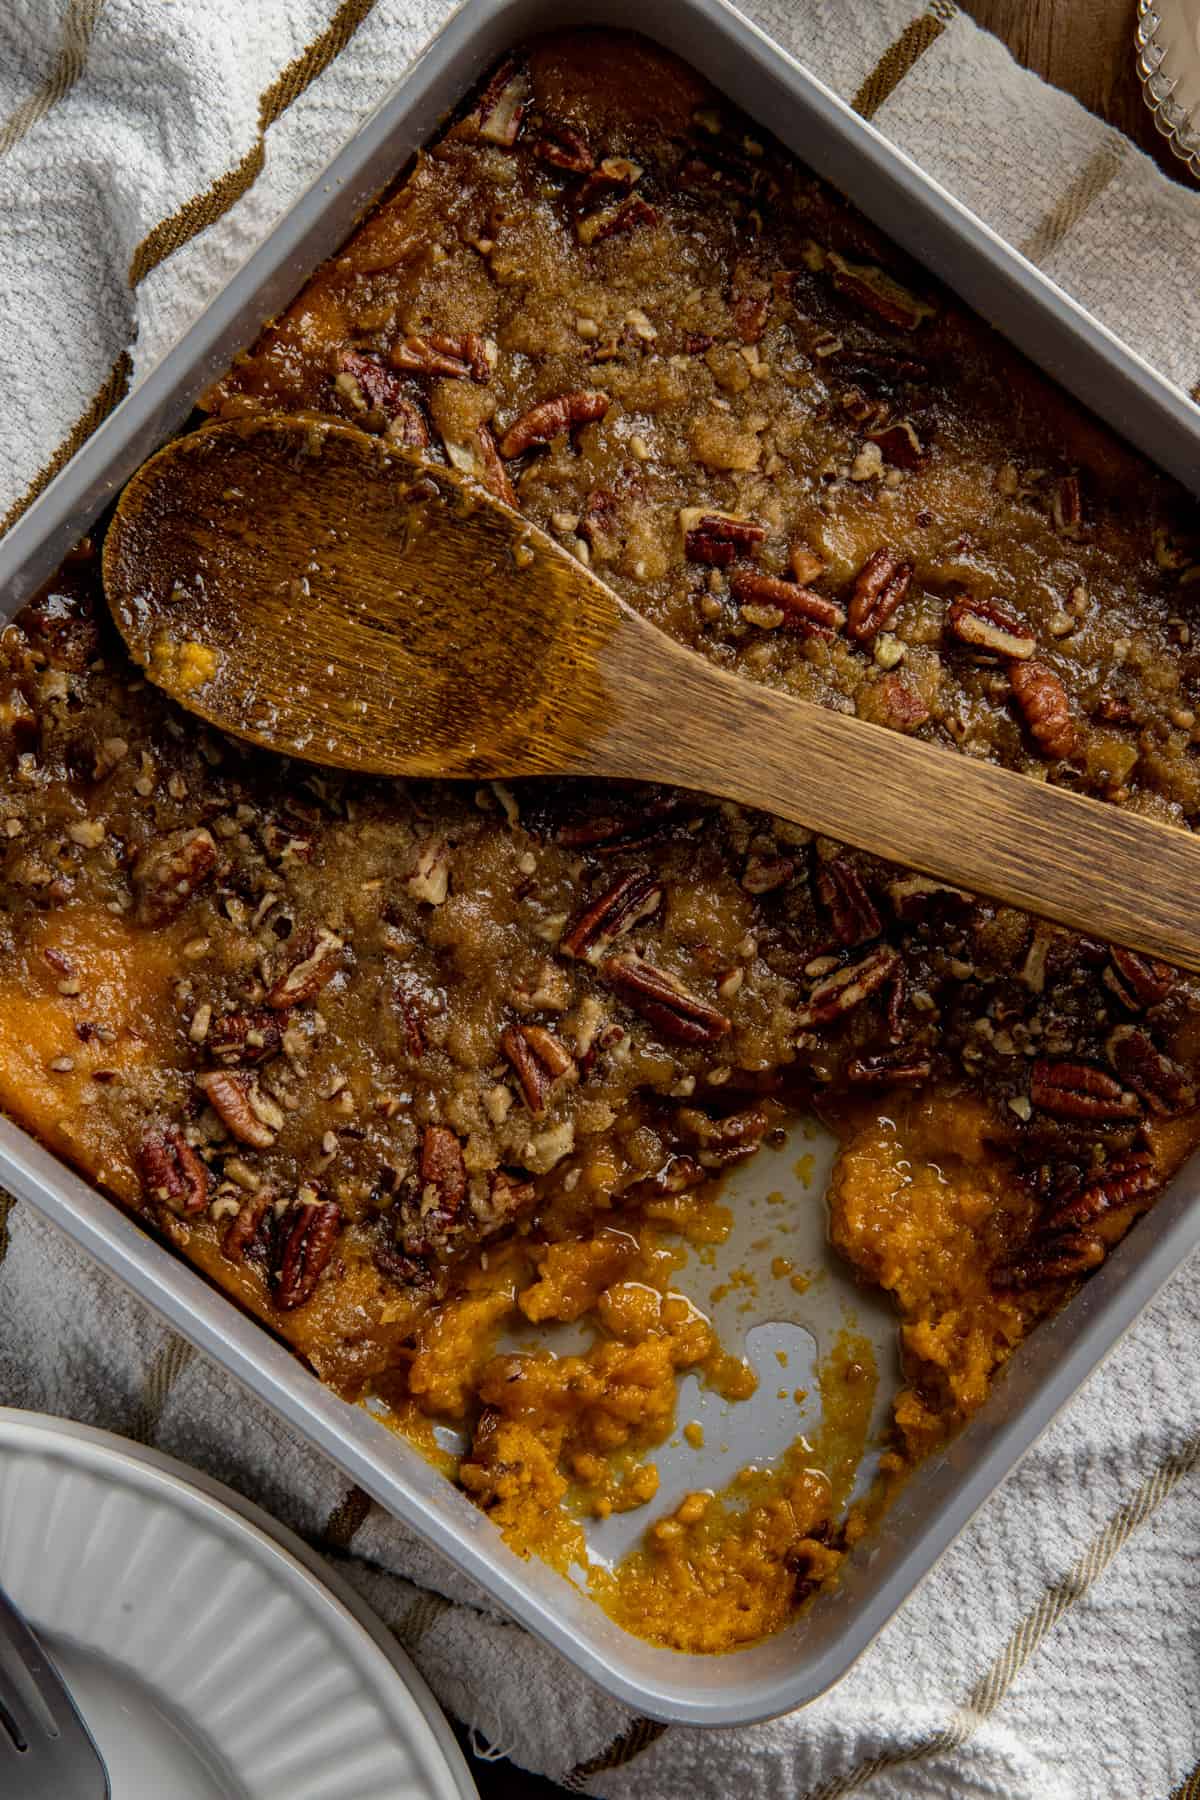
x=332, y=1036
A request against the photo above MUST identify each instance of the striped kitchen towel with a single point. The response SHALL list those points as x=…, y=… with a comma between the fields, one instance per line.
x=145, y=148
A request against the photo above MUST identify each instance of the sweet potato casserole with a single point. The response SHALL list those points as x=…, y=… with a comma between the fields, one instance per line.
x=399, y=1064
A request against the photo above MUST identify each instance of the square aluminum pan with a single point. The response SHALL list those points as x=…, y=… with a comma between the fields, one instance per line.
x=806, y=1658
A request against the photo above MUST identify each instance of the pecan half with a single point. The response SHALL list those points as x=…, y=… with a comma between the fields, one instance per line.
x=564, y=147
x=539, y=1059
x=1138, y=981
x=986, y=626
x=250, y=1233
x=307, y=976
x=879, y=589
x=870, y=287
x=434, y=353
x=502, y=104
x=899, y=445
x=1128, y=1177
x=717, y=539
x=243, y=1037
x=246, y=1112
x=889, y=1068
x=847, y=987
x=172, y=1174
x=629, y=900
x=550, y=418
x=1052, y=1259
x=169, y=871
x=1042, y=699
x=855, y=920
x=1161, y=1082
x=662, y=999
x=1076, y=1090
x=306, y=1236
x=808, y=612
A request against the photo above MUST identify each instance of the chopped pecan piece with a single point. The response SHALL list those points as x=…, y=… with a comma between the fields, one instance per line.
x=678, y=1175
x=564, y=147
x=899, y=445
x=986, y=626
x=914, y=896
x=717, y=539
x=243, y=1037
x=614, y=175
x=169, y=871
x=614, y=221
x=1043, y=702
x=436, y=354
x=870, y=287
x=1076, y=1090
x=428, y=881
x=662, y=999
x=801, y=608
x=309, y=974
x=550, y=418
x=1066, y=506
x=539, y=1059
x=493, y=473
x=407, y=427
x=306, y=1236
x=807, y=566
x=443, y=1176
x=889, y=1068
x=629, y=900
x=892, y=702
x=1138, y=981
x=725, y=1140
x=750, y=316
x=172, y=1174
x=855, y=920
x=249, y=1234
x=763, y=874
x=502, y=104
x=380, y=389
x=1160, y=1081
x=847, y=987
x=250, y=1115
x=879, y=589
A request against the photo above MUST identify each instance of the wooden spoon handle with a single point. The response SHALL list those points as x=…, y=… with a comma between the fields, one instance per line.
x=1086, y=864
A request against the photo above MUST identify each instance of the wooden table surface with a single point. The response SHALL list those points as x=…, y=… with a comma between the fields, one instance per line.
x=1085, y=46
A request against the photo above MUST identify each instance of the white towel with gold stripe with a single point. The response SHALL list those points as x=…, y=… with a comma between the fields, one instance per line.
x=145, y=148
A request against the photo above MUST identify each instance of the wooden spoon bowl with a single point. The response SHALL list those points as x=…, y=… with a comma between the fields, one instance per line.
x=305, y=586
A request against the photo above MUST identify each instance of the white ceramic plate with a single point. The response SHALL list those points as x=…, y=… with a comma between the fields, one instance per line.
x=1168, y=59
x=212, y=1654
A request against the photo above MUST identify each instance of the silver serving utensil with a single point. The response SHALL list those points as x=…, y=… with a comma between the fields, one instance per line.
x=46, y=1750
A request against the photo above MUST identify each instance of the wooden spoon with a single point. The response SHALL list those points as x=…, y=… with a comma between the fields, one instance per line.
x=301, y=584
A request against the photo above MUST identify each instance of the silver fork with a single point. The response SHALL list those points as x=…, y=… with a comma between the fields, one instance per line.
x=46, y=1750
